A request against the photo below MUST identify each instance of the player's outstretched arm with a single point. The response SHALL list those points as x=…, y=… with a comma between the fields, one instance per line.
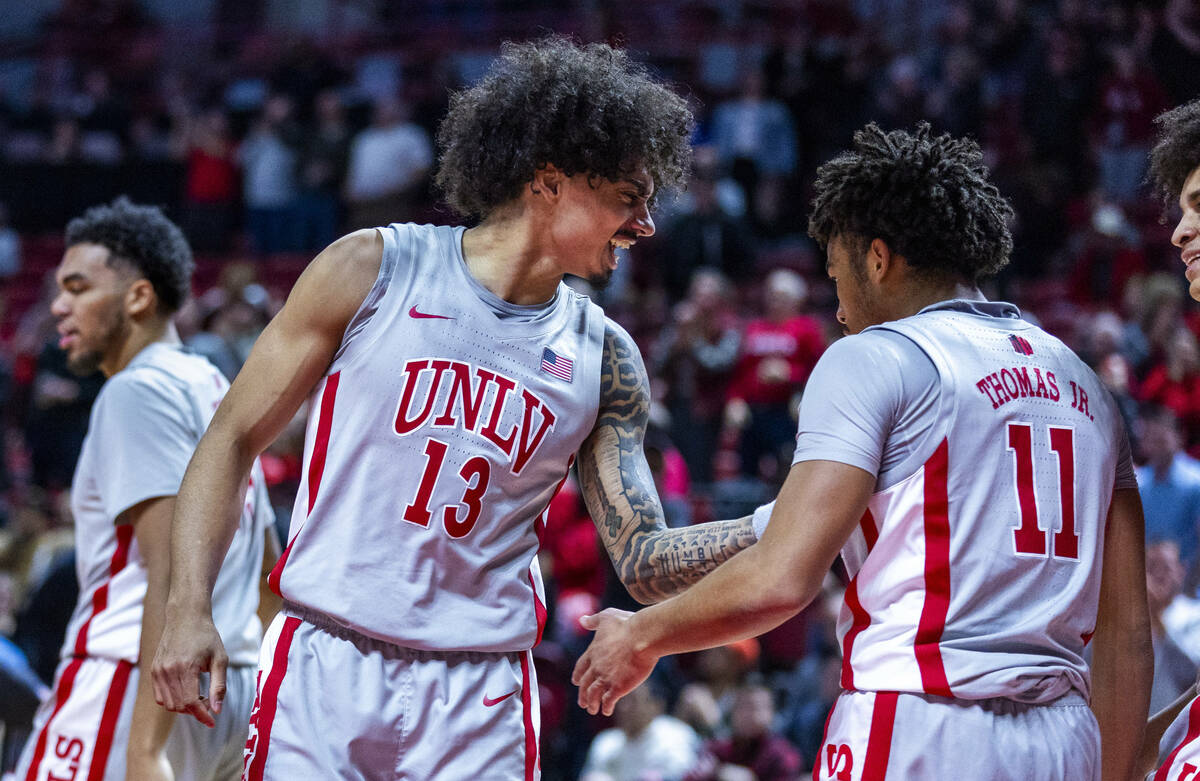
x=289, y=358
x=819, y=506
x=1123, y=656
x=652, y=561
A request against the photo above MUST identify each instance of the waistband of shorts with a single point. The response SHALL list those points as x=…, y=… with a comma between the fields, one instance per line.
x=1071, y=699
x=331, y=626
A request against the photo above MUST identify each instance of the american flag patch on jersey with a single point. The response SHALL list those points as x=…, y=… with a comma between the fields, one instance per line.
x=557, y=365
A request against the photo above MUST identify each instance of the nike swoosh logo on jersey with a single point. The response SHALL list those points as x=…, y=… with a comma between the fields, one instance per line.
x=489, y=702
x=421, y=315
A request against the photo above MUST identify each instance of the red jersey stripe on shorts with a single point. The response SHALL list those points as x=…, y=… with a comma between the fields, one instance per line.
x=1193, y=733
x=879, y=741
x=62, y=693
x=527, y=706
x=937, y=575
x=100, y=598
x=108, y=720
x=269, y=699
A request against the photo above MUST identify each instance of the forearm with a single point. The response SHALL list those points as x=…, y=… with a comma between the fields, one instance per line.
x=1121, y=676
x=662, y=563
x=151, y=724
x=208, y=507
x=739, y=599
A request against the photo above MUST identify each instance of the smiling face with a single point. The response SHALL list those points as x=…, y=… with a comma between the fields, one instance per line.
x=1187, y=232
x=90, y=308
x=597, y=216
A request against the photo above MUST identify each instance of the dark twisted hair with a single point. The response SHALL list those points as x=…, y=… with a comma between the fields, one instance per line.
x=1176, y=151
x=584, y=109
x=143, y=238
x=927, y=196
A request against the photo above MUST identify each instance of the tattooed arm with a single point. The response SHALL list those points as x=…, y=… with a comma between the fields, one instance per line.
x=653, y=562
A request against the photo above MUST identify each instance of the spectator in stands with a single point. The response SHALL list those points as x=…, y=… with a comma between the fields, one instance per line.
x=645, y=745
x=777, y=353
x=1123, y=124
x=269, y=186
x=1173, y=670
x=753, y=750
x=57, y=418
x=694, y=355
x=323, y=160
x=706, y=703
x=708, y=234
x=210, y=182
x=1174, y=381
x=756, y=137
x=1169, y=483
x=389, y=166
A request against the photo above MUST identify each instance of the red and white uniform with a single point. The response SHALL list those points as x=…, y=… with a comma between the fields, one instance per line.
x=442, y=429
x=1179, y=749
x=975, y=572
x=144, y=426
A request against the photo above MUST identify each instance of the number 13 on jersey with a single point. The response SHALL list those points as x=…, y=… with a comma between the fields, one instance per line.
x=1029, y=537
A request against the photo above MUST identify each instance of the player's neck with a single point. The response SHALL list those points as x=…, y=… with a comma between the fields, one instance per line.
x=503, y=255
x=141, y=336
x=922, y=293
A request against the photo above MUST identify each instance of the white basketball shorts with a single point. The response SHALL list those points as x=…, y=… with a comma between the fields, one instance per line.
x=80, y=732
x=872, y=736
x=333, y=703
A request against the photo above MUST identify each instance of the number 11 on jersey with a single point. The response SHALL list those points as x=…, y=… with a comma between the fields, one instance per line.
x=1029, y=538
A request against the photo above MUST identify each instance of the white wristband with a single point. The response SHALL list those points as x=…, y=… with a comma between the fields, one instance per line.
x=762, y=516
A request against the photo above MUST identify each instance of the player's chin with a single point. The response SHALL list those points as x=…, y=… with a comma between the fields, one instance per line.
x=1194, y=289
x=600, y=281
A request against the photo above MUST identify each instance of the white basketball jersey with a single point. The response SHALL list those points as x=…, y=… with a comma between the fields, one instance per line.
x=979, y=575
x=435, y=442
x=144, y=427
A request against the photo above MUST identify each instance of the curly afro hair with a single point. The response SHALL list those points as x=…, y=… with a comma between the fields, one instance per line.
x=1176, y=151
x=141, y=237
x=584, y=109
x=927, y=196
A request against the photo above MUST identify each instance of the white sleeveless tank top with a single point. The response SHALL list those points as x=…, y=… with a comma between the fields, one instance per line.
x=434, y=445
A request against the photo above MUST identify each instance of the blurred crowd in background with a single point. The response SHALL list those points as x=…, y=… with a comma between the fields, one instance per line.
x=265, y=146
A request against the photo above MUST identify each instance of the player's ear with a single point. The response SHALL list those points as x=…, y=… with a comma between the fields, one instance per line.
x=140, y=299
x=547, y=181
x=880, y=259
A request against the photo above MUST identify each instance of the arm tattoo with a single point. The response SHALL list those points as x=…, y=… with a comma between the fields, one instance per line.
x=652, y=561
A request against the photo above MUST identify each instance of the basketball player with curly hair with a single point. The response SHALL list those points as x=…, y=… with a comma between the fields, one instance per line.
x=453, y=380
x=974, y=476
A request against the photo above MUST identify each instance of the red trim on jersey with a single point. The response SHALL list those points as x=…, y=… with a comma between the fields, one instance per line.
x=527, y=705
x=539, y=528
x=870, y=529
x=100, y=597
x=270, y=694
x=861, y=618
x=926, y=645
x=1193, y=732
x=539, y=610
x=316, y=467
x=61, y=692
x=108, y=721
x=316, y=464
x=824, y=737
x=879, y=740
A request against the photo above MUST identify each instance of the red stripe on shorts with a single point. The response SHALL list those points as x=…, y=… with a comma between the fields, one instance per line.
x=879, y=741
x=108, y=720
x=937, y=576
x=61, y=692
x=1193, y=732
x=527, y=706
x=270, y=694
x=824, y=737
x=316, y=467
x=100, y=597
